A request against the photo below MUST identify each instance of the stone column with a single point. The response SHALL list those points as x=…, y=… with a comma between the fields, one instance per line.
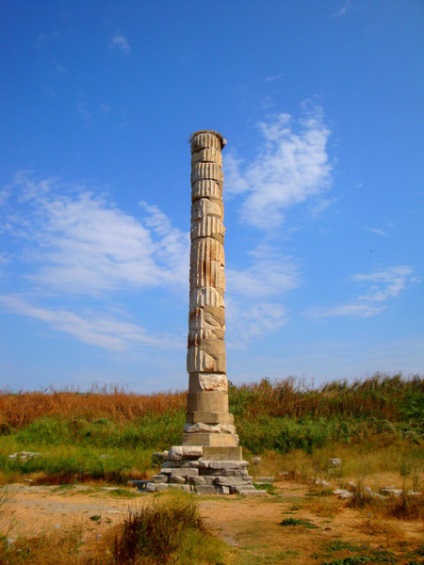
x=209, y=422
x=209, y=461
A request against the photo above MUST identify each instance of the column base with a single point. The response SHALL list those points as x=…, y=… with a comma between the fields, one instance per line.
x=211, y=440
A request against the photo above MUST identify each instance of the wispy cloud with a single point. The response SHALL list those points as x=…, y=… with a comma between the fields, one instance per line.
x=378, y=231
x=250, y=313
x=119, y=41
x=81, y=243
x=291, y=166
x=69, y=245
x=343, y=10
x=272, y=78
x=95, y=329
x=270, y=273
x=381, y=285
x=249, y=320
x=385, y=284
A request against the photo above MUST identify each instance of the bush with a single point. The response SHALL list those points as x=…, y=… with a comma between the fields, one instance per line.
x=157, y=531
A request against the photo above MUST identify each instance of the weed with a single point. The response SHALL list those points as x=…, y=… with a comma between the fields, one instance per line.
x=375, y=526
x=298, y=522
x=340, y=545
x=46, y=549
x=406, y=507
x=157, y=530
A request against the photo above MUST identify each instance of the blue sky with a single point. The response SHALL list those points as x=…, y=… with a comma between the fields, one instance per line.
x=322, y=107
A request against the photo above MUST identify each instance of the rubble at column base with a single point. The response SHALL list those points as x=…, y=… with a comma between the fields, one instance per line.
x=185, y=468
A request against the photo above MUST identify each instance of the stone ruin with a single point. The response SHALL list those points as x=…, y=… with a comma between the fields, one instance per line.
x=210, y=459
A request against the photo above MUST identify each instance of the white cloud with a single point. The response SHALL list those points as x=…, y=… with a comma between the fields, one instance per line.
x=250, y=320
x=249, y=312
x=343, y=10
x=291, y=166
x=382, y=286
x=378, y=231
x=95, y=329
x=358, y=310
x=270, y=273
x=81, y=243
x=120, y=42
x=385, y=284
x=272, y=78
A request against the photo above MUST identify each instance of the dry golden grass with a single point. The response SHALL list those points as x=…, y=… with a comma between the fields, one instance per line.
x=17, y=410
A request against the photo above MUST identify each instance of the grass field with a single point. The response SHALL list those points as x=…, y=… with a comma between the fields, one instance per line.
x=107, y=436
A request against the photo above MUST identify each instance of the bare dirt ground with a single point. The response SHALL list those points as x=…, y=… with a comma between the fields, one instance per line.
x=323, y=531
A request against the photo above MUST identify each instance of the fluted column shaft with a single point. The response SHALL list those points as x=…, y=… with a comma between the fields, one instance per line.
x=207, y=401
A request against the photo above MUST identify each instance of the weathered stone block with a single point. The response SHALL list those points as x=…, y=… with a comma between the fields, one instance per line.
x=206, y=189
x=185, y=472
x=213, y=418
x=170, y=464
x=205, y=489
x=207, y=273
x=217, y=465
x=203, y=207
x=216, y=440
x=206, y=296
x=208, y=382
x=209, y=226
x=184, y=488
x=192, y=463
x=208, y=401
x=197, y=481
x=206, y=323
x=206, y=171
x=153, y=487
x=248, y=491
x=161, y=478
x=207, y=155
x=231, y=481
x=177, y=479
x=207, y=358
x=207, y=249
x=222, y=453
x=204, y=139
x=201, y=427
x=178, y=452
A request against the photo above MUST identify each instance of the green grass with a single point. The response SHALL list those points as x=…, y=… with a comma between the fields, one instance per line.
x=298, y=522
x=111, y=437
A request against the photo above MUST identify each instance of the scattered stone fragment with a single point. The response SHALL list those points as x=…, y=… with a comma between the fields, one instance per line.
x=343, y=493
x=335, y=462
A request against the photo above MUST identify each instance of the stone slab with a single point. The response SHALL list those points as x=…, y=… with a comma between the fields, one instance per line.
x=210, y=440
x=222, y=453
x=204, y=464
x=162, y=478
x=205, y=489
x=232, y=481
x=178, y=452
x=184, y=488
x=249, y=491
x=197, y=416
x=184, y=472
x=177, y=479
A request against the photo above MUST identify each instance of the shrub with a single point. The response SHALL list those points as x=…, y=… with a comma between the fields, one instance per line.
x=157, y=530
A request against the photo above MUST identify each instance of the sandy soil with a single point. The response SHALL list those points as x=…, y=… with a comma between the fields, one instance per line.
x=251, y=526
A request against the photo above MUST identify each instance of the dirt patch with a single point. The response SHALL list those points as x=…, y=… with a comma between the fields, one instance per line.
x=321, y=528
